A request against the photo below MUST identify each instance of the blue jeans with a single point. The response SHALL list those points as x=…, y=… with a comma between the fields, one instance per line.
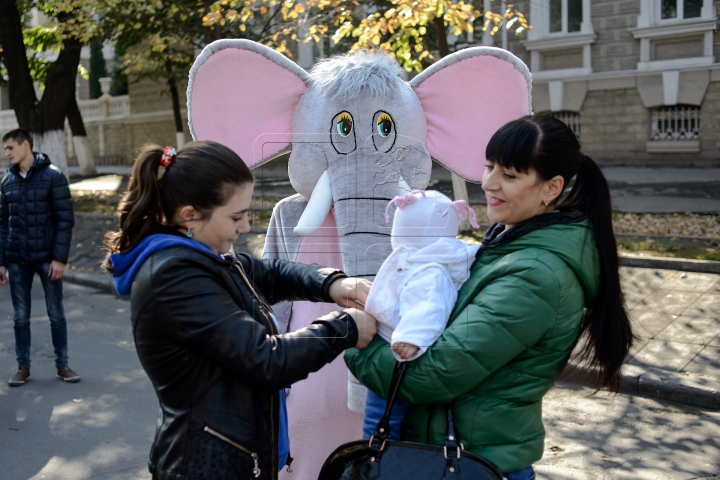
x=524, y=474
x=21, y=280
x=375, y=408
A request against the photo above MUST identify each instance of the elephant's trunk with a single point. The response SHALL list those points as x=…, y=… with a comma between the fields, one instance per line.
x=361, y=189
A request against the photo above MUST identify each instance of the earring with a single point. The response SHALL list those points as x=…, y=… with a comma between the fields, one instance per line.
x=545, y=203
x=189, y=233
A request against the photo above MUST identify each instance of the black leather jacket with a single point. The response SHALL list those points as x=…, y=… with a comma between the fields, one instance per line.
x=204, y=336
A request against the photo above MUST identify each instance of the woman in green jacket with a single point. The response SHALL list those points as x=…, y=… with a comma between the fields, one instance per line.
x=546, y=274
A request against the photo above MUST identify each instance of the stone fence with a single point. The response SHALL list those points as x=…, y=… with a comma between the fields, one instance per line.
x=114, y=132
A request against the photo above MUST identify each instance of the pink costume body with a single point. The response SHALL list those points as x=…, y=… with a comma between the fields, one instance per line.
x=318, y=418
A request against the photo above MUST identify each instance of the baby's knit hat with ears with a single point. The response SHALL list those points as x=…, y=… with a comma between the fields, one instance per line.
x=423, y=217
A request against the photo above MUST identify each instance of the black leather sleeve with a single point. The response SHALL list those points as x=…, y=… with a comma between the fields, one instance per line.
x=195, y=309
x=280, y=280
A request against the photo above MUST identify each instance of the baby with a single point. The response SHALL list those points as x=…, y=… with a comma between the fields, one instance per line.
x=416, y=287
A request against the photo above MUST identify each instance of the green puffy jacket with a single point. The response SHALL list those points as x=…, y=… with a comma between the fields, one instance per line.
x=514, y=325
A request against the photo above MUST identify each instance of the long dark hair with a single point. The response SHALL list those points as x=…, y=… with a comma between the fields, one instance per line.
x=203, y=174
x=547, y=146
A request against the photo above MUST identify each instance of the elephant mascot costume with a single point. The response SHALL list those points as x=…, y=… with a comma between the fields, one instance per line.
x=358, y=135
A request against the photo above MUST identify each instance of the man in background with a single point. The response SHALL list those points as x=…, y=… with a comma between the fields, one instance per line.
x=36, y=221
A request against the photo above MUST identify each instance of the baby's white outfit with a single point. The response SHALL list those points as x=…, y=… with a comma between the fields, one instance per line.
x=415, y=291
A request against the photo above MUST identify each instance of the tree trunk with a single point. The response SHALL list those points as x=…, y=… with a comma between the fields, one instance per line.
x=179, y=131
x=80, y=140
x=459, y=186
x=45, y=119
x=443, y=49
x=20, y=84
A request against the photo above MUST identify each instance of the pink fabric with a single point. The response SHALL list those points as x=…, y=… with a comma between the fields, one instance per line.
x=318, y=418
x=465, y=104
x=237, y=96
x=464, y=212
x=401, y=200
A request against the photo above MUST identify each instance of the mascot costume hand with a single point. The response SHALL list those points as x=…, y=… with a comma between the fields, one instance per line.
x=358, y=135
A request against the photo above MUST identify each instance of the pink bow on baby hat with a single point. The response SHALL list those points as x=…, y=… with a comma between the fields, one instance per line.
x=402, y=200
x=463, y=211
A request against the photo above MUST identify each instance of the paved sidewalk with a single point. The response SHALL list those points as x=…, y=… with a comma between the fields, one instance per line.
x=677, y=319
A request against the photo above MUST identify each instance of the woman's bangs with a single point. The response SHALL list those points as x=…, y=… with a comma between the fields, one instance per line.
x=513, y=146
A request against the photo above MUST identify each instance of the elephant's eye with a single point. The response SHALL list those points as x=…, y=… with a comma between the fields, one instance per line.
x=344, y=124
x=342, y=133
x=384, y=124
x=385, y=131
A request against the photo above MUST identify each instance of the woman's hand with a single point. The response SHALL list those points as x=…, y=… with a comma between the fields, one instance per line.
x=366, y=326
x=350, y=292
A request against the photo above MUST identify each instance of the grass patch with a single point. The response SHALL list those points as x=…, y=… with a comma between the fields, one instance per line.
x=661, y=249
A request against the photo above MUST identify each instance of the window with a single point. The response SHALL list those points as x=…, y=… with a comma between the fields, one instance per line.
x=571, y=119
x=675, y=33
x=566, y=16
x=680, y=9
x=559, y=42
x=675, y=123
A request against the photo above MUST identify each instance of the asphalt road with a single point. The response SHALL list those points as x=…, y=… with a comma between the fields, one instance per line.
x=102, y=427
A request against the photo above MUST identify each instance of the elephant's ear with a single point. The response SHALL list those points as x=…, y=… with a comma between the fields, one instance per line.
x=467, y=97
x=243, y=94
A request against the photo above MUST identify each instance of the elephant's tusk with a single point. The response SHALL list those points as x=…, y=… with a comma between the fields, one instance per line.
x=317, y=208
x=403, y=187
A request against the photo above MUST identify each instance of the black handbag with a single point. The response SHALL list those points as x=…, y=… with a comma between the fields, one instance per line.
x=383, y=458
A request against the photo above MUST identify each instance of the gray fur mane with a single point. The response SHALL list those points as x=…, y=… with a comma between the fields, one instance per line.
x=352, y=75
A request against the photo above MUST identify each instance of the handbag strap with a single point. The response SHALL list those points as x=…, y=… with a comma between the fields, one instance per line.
x=452, y=439
x=382, y=430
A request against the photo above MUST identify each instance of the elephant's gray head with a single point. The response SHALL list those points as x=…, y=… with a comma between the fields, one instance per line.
x=361, y=129
x=359, y=134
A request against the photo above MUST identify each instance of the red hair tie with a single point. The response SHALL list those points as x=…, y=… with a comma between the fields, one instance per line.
x=168, y=156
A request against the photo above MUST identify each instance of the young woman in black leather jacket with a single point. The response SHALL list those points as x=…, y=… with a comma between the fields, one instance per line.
x=203, y=327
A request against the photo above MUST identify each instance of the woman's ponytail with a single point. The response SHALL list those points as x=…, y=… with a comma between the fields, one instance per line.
x=202, y=174
x=606, y=333
x=140, y=209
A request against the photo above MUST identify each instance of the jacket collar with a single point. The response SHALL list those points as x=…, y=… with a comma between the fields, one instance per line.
x=41, y=161
x=496, y=234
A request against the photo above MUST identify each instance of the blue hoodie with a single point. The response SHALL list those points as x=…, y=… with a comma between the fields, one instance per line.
x=127, y=264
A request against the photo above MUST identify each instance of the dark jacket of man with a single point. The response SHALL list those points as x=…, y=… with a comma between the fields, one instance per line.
x=36, y=215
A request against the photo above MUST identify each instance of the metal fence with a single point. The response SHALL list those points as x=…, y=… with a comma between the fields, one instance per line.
x=675, y=123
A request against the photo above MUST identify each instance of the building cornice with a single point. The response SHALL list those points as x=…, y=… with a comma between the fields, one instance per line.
x=561, y=41
x=678, y=28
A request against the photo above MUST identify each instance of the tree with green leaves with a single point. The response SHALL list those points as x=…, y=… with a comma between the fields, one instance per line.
x=25, y=59
x=162, y=39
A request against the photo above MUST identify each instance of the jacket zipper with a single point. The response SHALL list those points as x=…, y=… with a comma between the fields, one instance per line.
x=253, y=455
x=271, y=326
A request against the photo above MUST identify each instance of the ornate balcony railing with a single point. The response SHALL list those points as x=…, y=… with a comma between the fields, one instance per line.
x=91, y=110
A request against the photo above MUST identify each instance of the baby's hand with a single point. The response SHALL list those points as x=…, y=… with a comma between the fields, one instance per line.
x=405, y=350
